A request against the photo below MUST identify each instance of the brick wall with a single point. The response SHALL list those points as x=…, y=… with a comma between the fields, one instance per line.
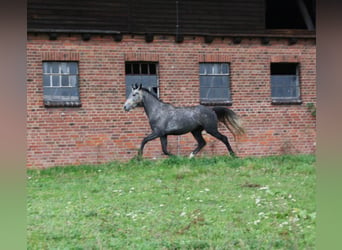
x=101, y=131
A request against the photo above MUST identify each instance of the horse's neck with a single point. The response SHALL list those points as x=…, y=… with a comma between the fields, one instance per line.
x=151, y=104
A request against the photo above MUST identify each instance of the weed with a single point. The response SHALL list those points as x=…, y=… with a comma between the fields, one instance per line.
x=312, y=108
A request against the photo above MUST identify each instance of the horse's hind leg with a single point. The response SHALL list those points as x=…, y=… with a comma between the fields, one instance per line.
x=223, y=138
x=163, y=141
x=200, y=140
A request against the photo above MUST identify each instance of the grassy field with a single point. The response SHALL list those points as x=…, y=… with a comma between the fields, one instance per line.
x=175, y=203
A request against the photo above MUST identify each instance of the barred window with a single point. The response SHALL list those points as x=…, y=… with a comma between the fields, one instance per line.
x=61, y=86
x=214, y=83
x=145, y=73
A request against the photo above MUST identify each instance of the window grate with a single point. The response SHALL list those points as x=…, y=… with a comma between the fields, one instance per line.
x=141, y=68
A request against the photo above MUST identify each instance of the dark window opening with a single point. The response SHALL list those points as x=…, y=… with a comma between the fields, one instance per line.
x=152, y=69
x=137, y=68
x=291, y=14
x=284, y=68
x=144, y=69
x=285, y=83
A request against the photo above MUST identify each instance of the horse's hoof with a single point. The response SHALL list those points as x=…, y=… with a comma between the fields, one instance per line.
x=137, y=158
x=233, y=155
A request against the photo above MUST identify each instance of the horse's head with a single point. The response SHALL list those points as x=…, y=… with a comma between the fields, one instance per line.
x=135, y=98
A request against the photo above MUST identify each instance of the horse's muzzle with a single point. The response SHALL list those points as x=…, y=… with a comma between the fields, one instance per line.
x=126, y=108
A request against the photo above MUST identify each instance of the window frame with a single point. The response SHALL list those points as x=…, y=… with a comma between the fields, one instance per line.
x=297, y=87
x=60, y=100
x=216, y=101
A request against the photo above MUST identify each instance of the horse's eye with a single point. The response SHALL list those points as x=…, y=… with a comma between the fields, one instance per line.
x=134, y=94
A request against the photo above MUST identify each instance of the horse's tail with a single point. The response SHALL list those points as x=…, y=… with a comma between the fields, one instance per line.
x=230, y=119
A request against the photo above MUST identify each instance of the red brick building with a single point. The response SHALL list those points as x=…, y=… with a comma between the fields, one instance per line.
x=81, y=58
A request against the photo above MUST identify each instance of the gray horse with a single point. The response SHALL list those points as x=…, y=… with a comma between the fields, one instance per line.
x=165, y=119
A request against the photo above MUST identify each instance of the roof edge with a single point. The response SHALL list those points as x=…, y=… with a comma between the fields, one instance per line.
x=267, y=34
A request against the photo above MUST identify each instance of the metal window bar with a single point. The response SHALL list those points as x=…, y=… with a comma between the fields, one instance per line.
x=141, y=68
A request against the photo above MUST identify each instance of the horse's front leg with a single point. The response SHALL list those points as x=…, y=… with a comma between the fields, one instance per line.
x=148, y=138
x=163, y=141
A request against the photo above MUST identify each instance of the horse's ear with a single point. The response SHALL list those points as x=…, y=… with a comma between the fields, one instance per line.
x=140, y=86
x=134, y=86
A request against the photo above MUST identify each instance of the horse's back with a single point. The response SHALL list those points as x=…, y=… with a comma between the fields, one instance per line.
x=181, y=120
x=198, y=112
x=203, y=116
x=208, y=116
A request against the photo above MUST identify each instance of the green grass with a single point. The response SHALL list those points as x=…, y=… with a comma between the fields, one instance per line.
x=175, y=203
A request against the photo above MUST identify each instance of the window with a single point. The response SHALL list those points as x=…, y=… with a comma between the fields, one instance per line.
x=214, y=83
x=290, y=14
x=145, y=73
x=61, y=86
x=285, y=83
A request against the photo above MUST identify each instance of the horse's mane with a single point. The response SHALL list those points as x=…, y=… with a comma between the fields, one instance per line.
x=154, y=95
x=151, y=93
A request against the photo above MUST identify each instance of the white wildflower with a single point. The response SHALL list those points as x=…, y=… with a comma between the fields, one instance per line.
x=283, y=224
x=294, y=219
x=256, y=222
